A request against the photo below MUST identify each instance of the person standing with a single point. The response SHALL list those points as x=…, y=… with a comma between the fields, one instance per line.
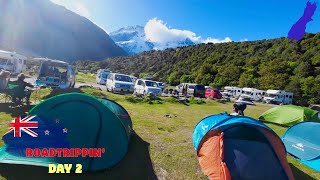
x=4, y=77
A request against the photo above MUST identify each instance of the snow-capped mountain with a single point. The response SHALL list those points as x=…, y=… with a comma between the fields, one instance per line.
x=133, y=40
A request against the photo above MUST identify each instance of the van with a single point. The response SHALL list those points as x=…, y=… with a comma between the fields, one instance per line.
x=190, y=89
x=119, y=83
x=144, y=87
x=13, y=62
x=101, y=77
x=56, y=74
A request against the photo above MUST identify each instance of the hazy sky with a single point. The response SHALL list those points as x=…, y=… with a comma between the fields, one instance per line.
x=203, y=20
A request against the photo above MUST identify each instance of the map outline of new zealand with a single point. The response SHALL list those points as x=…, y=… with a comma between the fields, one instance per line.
x=297, y=31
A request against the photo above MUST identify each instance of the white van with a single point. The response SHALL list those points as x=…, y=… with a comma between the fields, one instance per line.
x=119, y=83
x=56, y=74
x=278, y=97
x=101, y=77
x=144, y=87
x=13, y=62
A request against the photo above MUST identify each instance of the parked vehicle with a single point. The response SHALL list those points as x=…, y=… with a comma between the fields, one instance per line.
x=161, y=85
x=232, y=91
x=315, y=107
x=144, y=87
x=278, y=97
x=246, y=99
x=255, y=94
x=133, y=78
x=101, y=77
x=13, y=62
x=190, y=89
x=56, y=74
x=119, y=83
x=213, y=93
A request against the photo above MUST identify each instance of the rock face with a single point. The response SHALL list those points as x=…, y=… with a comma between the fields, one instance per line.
x=133, y=40
x=40, y=28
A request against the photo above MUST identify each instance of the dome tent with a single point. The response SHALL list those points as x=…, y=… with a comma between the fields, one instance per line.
x=239, y=147
x=90, y=123
x=305, y=147
x=289, y=115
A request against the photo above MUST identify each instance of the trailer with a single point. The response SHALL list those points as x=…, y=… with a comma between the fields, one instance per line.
x=13, y=62
x=278, y=97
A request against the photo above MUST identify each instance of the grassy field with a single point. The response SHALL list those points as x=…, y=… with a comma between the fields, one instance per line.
x=85, y=78
x=167, y=141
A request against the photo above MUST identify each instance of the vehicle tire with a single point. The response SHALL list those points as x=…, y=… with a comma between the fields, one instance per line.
x=144, y=93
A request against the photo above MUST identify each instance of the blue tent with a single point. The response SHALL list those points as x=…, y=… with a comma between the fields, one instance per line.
x=302, y=141
x=240, y=147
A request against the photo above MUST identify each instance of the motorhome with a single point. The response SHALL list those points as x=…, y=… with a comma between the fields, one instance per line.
x=13, y=62
x=101, y=77
x=254, y=94
x=55, y=73
x=278, y=97
x=232, y=91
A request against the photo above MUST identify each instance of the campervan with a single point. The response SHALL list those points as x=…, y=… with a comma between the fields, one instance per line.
x=144, y=87
x=101, y=77
x=13, y=62
x=232, y=91
x=189, y=89
x=119, y=83
x=254, y=94
x=56, y=74
x=278, y=97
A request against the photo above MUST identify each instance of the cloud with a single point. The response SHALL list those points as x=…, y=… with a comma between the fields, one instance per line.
x=213, y=40
x=75, y=6
x=158, y=32
x=245, y=39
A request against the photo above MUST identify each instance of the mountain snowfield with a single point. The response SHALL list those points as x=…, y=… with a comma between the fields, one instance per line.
x=133, y=40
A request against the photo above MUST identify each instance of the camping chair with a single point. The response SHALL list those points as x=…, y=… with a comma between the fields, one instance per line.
x=15, y=92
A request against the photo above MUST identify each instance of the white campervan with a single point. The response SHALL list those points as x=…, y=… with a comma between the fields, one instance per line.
x=101, y=77
x=56, y=74
x=255, y=94
x=278, y=97
x=144, y=87
x=13, y=62
x=232, y=91
x=119, y=83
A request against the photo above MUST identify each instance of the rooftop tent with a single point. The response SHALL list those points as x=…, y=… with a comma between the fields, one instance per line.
x=305, y=147
x=289, y=115
x=239, y=147
x=90, y=123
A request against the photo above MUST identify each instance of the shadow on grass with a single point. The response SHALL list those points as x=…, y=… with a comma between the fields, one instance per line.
x=136, y=165
x=56, y=92
x=13, y=110
x=300, y=175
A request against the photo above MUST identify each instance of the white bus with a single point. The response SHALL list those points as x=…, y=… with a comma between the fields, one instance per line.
x=13, y=62
x=56, y=74
x=278, y=97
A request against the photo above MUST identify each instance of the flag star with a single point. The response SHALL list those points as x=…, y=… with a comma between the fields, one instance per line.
x=46, y=132
x=65, y=130
x=57, y=120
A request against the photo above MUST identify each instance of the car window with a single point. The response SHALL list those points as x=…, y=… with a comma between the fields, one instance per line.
x=151, y=84
x=122, y=78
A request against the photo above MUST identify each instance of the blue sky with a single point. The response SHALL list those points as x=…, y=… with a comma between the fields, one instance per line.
x=235, y=19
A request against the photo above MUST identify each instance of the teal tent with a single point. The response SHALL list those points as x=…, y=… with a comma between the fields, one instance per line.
x=90, y=123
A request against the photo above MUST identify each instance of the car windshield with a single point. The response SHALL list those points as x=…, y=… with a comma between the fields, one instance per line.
x=3, y=61
x=123, y=78
x=160, y=84
x=104, y=76
x=49, y=69
x=191, y=87
x=200, y=87
x=151, y=84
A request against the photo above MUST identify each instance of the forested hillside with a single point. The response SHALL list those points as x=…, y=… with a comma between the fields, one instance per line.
x=265, y=64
